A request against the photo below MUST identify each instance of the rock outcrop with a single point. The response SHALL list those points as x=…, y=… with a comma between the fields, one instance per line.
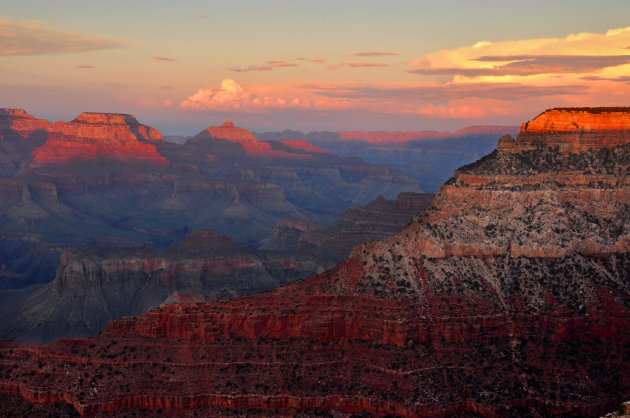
x=20, y=122
x=509, y=296
x=574, y=130
x=304, y=146
x=227, y=131
x=99, y=136
x=20, y=134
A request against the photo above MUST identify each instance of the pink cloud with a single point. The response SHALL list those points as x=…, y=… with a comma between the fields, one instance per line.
x=159, y=58
x=231, y=96
x=250, y=68
x=314, y=60
x=277, y=64
x=372, y=54
x=268, y=67
x=357, y=65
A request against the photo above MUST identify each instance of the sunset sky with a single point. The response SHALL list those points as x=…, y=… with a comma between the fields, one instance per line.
x=325, y=65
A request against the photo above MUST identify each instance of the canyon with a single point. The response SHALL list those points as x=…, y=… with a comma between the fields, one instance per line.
x=429, y=157
x=94, y=285
x=508, y=296
x=107, y=179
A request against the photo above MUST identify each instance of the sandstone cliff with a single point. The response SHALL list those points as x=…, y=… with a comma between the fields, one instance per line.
x=509, y=296
x=574, y=130
x=99, y=136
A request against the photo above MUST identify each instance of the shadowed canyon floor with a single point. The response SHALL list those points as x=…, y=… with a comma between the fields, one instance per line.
x=509, y=296
x=95, y=285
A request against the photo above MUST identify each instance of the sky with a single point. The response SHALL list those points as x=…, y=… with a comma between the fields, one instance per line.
x=325, y=65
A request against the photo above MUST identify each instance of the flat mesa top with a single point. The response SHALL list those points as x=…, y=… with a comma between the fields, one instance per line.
x=594, y=110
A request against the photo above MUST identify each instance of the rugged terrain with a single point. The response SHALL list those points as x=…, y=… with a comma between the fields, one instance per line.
x=429, y=157
x=94, y=285
x=509, y=296
x=107, y=179
x=331, y=244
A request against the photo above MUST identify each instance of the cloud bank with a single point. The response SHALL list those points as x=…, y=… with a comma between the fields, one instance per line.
x=580, y=53
x=30, y=37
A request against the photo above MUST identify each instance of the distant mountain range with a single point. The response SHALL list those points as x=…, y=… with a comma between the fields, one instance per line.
x=429, y=157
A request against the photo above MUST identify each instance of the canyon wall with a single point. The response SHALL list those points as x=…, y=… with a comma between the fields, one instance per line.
x=509, y=296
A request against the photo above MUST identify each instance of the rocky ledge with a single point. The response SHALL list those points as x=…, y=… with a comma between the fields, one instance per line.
x=573, y=130
x=99, y=136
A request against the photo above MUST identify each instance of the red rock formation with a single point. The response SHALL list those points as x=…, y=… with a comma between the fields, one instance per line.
x=509, y=296
x=575, y=129
x=99, y=136
x=241, y=136
x=17, y=120
x=250, y=144
x=304, y=146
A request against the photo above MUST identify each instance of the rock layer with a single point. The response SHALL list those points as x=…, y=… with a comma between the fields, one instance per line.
x=99, y=136
x=574, y=130
x=509, y=296
x=95, y=285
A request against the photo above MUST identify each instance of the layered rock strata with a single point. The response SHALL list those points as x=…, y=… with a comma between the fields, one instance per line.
x=99, y=136
x=509, y=296
x=573, y=130
x=94, y=285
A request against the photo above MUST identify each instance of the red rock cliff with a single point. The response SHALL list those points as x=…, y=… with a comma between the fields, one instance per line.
x=509, y=296
x=576, y=129
x=99, y=136
x=241, y=136
x=21, y=122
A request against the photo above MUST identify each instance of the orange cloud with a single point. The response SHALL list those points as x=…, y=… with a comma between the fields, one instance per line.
x=276, y=64
x=250, y=68
x=231, y=96
x=31, y=37
x=357, y=65
x=268, y=67
x=315, y=60
x=581, y=53
x=463, y=101
x=85, y=67
x=159, y=58
x=372, y=54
